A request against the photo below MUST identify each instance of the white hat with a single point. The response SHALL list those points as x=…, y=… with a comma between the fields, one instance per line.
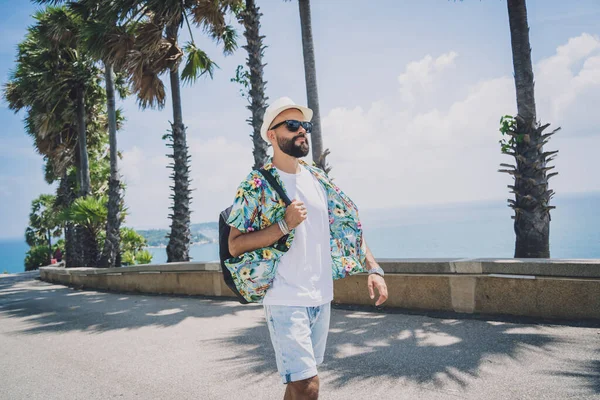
x=276, y=108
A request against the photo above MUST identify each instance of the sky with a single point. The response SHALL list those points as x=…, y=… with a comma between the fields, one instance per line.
x=410, y=94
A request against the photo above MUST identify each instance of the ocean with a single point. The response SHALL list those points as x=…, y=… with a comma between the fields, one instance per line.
x=470, y=230
x=12, y=255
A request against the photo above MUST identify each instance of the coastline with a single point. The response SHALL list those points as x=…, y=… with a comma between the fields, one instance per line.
x=164, y=246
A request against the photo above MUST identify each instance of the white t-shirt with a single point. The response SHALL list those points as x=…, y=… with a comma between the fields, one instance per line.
x=303, y=275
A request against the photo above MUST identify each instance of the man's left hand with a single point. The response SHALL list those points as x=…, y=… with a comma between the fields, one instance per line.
x=377, y=282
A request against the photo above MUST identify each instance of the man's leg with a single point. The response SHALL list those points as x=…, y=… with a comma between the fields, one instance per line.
x=307, y=389
x=319, y=327
x=290, y=330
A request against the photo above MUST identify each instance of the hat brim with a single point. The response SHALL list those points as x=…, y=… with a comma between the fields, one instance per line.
x=307, y=112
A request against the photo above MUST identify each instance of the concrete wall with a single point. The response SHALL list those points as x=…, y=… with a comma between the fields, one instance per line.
x=567, y=289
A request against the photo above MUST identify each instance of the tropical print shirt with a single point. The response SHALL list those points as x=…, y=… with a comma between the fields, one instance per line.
x=257, y=205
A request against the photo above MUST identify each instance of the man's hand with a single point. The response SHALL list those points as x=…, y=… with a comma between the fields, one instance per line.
x=377, y=282
x=295, y=214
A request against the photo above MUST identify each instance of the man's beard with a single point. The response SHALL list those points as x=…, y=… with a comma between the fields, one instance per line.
x=289, y=146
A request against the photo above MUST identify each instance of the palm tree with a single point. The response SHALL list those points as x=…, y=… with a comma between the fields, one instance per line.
x=156, y=51
x=62, y=31
x=58, y=86
x=105, y=40
x=55, y=80
x=250, y=19
x=111, y=244
x=532, y=195
x=312, y=95
x=32, y=86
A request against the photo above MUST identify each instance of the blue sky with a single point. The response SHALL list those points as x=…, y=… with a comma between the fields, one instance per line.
x=410, y=92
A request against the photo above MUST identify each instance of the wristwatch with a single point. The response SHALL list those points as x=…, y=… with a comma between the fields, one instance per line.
x=376, y=270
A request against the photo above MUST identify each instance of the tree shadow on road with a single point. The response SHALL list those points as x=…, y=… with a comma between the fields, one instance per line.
x=423, y=350
x=589, y=371
x=56, y=308
x=362, y=345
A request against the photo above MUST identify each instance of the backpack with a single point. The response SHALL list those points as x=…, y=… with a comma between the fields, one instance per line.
x=225, y=229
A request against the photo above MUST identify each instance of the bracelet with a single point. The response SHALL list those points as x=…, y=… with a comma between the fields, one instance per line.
x=376, y=270
x=283, y=226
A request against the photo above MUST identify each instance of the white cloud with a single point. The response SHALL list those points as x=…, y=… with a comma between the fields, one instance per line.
x=567, y=84
x=396, y=153
x=420, y=76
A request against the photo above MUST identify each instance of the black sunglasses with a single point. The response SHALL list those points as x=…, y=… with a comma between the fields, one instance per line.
x=293, y=125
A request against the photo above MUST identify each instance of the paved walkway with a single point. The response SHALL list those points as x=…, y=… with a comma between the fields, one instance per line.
x=57, y=342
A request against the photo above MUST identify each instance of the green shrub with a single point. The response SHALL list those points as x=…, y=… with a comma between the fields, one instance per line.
x=128, y=258
x=143, y=257
x=132, y=241
x=36, y=257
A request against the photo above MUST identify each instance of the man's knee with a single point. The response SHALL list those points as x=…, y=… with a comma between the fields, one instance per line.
x=306, y=388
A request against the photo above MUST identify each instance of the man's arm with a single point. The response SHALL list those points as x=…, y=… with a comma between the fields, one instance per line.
x=240, y=243
x=375, y=281
x=371, y=263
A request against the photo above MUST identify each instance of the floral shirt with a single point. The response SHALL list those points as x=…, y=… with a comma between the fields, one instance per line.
x=257, y=205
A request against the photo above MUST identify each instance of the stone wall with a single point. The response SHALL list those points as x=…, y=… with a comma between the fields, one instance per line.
x=566, y=289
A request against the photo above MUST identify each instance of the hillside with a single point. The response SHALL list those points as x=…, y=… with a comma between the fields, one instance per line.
x=202, y=233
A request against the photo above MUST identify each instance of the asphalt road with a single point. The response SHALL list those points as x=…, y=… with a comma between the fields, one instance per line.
x=57, y=342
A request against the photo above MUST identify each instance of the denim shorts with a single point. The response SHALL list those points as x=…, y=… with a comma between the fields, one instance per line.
x=299, y=336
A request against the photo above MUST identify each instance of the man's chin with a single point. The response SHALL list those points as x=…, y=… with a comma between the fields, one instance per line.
x=298, y=151
x=303, y=151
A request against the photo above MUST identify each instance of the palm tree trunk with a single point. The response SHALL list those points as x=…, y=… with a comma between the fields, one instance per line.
x=88, y=250
x=310, y=73
x=250, y=18
x=78, y=174
x=111, y=244
x=49, y=246
x=532, y=196
x=521, y=51
x=179, y=238
x=84, y=165
x=72, y=256
x=73, y=248
x=92, y=253
x=66, y=195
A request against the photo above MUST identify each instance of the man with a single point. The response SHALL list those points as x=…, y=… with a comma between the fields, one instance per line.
x=288, y=256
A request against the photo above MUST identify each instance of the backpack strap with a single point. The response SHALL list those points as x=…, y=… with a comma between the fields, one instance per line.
x=271, y=179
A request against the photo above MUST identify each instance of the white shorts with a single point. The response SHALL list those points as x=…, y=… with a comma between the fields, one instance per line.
x=299, y=336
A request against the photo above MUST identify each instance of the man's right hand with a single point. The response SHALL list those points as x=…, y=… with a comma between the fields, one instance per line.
x=295, y=213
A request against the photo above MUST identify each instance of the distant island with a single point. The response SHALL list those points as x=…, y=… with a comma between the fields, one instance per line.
x=203, y=233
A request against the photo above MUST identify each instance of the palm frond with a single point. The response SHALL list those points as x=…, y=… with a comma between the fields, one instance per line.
x=60, y=26
x=208, y=15
x=120, y=117
x=150, y=90
x=89, y=211
x=229, y=38
x=13, y=95
x=50, y=2
x=118, y=44
x=198, y=63
x=150, y=39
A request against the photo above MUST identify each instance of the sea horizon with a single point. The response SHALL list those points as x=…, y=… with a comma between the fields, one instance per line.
x=479, y=229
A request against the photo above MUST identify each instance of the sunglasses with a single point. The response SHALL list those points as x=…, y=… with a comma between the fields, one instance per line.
x=293, y=125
